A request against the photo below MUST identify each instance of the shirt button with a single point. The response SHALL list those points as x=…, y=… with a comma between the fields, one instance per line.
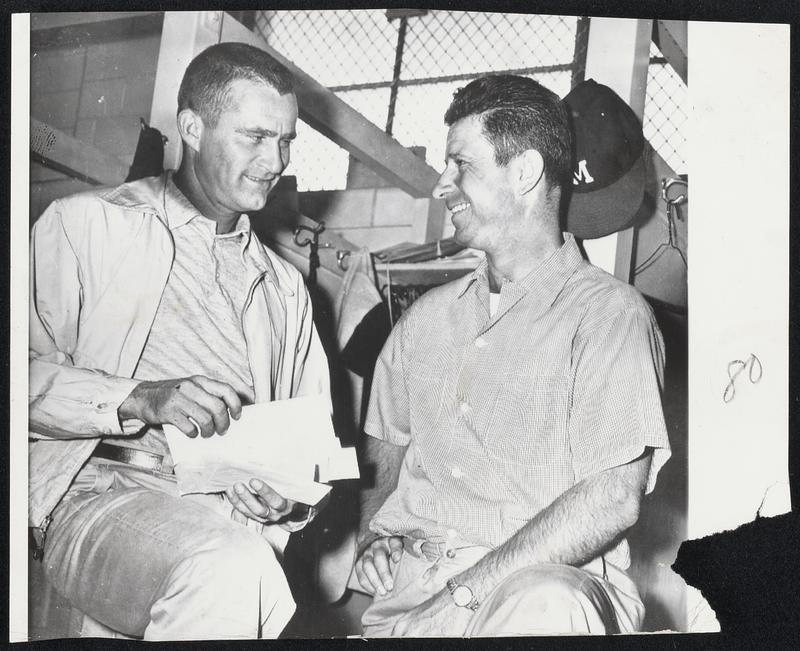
x=457, y=472
x=450, y=553
x=102, y=405
x=463, y=407
x=480, y=342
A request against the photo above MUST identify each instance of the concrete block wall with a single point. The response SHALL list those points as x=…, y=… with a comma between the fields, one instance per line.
x=371, y=217
x=96, y=90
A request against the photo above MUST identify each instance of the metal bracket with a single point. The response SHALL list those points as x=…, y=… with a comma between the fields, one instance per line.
x=315, y=232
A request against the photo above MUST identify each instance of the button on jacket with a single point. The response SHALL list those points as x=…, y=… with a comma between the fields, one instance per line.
x=99, y=264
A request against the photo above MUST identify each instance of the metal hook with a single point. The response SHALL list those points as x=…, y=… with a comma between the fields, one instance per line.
x=314, y=230
x=341, y=256
x=672, y=229
x=666, y=184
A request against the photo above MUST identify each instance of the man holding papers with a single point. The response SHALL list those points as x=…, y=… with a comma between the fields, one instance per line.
x=153, y=305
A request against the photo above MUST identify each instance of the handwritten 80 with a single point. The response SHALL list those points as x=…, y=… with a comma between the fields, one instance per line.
x=735, y=368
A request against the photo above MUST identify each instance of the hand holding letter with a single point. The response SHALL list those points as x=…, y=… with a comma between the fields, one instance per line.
x=182, y=403
x=259, y=502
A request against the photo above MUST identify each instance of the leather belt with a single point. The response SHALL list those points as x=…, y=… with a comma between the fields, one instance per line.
x=138, y=458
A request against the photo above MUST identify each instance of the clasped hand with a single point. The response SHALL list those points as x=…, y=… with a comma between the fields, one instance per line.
x=210, y=405
x=375, y=561
x=437, y=616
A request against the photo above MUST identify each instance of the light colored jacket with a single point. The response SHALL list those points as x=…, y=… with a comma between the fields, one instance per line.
x=99, y=264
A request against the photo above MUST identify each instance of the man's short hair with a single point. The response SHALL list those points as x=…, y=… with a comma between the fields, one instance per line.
x=206, y=82
x=518, y=113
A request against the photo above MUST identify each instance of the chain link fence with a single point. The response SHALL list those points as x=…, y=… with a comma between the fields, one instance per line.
x=665, y=113
x=399, y=68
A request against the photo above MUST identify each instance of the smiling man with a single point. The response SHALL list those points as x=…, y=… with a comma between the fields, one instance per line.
x=155, y=303
x=515, y=419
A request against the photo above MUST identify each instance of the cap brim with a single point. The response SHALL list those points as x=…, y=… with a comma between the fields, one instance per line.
x=614, y=208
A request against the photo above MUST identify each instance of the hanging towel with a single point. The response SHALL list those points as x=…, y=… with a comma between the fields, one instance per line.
x=357, y=296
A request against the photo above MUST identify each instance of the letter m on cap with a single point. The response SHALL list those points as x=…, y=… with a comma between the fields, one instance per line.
x=582, y=175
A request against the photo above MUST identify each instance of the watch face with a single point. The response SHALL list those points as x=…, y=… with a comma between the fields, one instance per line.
x=462, y=595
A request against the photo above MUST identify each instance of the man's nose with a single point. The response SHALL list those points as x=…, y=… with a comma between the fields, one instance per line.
x=444, y=185
x=270, y=158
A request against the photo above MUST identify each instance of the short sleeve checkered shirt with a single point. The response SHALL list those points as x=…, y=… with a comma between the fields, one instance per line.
x=503, y=414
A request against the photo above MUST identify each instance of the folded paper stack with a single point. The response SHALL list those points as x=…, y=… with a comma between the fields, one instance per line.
x=288, y=444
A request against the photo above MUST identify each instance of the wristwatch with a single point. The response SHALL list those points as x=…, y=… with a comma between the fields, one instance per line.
x=462, y=595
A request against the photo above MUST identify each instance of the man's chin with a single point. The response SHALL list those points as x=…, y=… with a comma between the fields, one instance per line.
x=256, y=202
x=461, y=237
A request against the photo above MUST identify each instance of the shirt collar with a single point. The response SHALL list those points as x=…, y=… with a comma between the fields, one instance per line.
x=480, y=274
x=180, y=211
x=545, y=281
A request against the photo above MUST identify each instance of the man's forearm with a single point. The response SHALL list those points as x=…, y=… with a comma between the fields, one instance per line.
x=574, y=529
x=385, y=460
x=69, y=402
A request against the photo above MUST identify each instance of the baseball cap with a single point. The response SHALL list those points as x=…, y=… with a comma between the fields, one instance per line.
x=609, y=169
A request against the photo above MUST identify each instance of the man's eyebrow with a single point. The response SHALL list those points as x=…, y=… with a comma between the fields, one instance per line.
x=455, y=152
x=267, y=132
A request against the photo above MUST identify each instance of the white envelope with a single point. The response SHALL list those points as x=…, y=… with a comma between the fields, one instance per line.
x=288, y=444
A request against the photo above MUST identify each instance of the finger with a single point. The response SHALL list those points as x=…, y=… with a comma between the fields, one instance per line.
x=381, y=562
x=203, y=420
x=247, y=397
x=213, y=406
x=223, y=391
x=362, y=578
x=371, y=575
x=255, y=505
x=276, y=502
x=240, y=505
x=396, y=548
x=184, y=425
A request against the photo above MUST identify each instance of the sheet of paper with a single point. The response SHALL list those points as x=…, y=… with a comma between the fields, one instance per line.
x=215, y=477
x=341, y=464
x=289, y=444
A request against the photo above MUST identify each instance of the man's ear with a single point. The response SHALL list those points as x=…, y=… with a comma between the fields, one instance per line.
x=190, y=127
x=529, y=170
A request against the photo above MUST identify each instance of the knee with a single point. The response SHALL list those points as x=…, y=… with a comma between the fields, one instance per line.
x=232, y=560
x=244, y=554
x=545, y=599
x=232, y=585
x=542, y=588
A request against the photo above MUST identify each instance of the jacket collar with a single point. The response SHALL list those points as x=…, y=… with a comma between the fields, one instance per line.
x=154, y=195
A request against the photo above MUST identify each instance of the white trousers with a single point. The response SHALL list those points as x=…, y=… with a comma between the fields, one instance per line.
x=127, y=550
x=597, y=598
